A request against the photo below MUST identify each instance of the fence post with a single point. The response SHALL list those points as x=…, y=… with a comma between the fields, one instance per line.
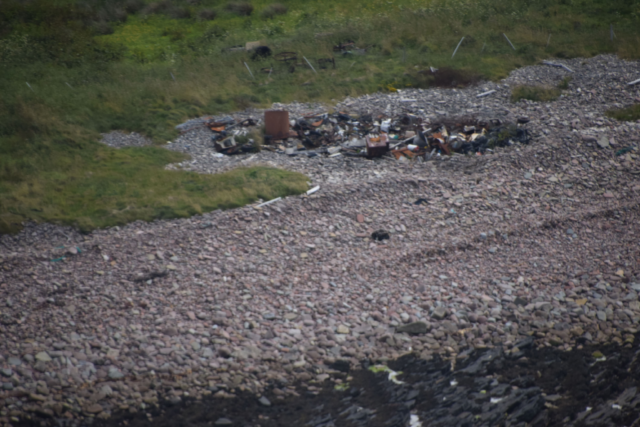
x=459, y=43
x=249, y=69
x=505, y=36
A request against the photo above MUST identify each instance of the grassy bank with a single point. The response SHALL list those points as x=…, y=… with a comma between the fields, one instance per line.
x=74, y=69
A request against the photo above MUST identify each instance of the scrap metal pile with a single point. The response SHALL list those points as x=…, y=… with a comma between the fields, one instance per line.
x=406, y=136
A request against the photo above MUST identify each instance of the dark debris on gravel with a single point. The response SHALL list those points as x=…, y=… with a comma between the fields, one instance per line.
x=524, y=386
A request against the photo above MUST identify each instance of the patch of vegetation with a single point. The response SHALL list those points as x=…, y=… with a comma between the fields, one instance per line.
x=102, y=186
x=274, y=10
x=564, y=83
x=448, y=77
x=72, y=69
x=207, y=15
x=534, y=93
x=167, y=8
x=242, y=8
x=629, y=114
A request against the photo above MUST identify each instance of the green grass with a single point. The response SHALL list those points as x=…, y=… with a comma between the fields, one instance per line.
x=564, y=83
x=98, y=187
x=534, y=93
x=74, y=68
x=628, y=114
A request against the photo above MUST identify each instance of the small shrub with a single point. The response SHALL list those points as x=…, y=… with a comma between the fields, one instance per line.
x=446, y=77
x=534, y=93
x=244, y=101
x=119, y=15
x=134, y=6
x=257, y=135
x=629, y=114
x=174, y=34
x=241, y=8
x=102, y=28
x=178, y=12
x=155, y=7
x=207, y=15
x=166, y=8
x=274, y=10
x=564, y=84
x=212, y=33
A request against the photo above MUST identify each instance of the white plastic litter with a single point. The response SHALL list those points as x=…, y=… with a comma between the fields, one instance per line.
x=483, y=94
x=269, y=202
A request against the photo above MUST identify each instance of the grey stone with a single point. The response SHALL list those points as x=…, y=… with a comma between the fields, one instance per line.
x=115, y=374
x=414, y=328
x=342, y=329
x=603, y=141
x=43, y=357
x=40, y=366
x=631, y=296
x=174, y=400
x=449, y=327
x=268, y=316
x=439, y=313
x=520, y=301
x=6, y=372
x=223, y=422
x=602, y=315
x=264, y=401
x=94, y=408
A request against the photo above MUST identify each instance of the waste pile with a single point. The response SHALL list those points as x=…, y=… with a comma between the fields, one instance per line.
x=403, y=137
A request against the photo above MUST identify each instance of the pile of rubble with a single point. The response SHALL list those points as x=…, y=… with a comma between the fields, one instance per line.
x=406, y=136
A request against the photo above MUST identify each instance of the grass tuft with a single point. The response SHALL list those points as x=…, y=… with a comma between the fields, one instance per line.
x=241, y=8
x=107, y=187
x=629, y=114
x=564, y=84
x=534, y=93
x=274, y=10
x=168, y=9
x=207, y=15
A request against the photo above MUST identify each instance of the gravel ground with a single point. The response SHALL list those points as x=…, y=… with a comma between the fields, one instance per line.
x=537, y=240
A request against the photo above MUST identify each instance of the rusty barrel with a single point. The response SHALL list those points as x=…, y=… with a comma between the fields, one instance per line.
x=276, y=124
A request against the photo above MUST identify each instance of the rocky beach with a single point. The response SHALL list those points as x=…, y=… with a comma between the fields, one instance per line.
x=524, y=252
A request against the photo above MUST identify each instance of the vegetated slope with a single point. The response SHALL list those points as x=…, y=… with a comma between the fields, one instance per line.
x=75, y=68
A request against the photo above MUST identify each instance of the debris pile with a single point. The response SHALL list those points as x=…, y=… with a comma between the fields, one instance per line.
x=404, y=137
